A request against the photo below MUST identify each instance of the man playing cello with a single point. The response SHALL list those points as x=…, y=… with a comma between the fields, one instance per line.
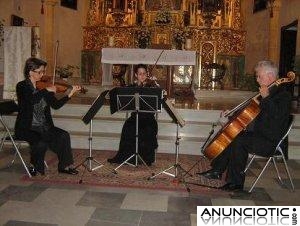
x=261, y=135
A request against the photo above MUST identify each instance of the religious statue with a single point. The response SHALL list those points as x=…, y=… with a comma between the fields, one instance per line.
x=153, y=5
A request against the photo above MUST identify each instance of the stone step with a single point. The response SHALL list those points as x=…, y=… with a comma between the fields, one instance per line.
x=107, y=129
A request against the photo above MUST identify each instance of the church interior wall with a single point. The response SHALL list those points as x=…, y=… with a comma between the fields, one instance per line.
x=257, y=29
x=70, y=34
x=68, y=27
x=291, y=12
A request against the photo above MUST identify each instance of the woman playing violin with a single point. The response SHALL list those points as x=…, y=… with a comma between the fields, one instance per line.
x=261, y=136
x=34, y=122
x=147, y=128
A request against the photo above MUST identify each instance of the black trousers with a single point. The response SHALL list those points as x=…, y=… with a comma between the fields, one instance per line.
x=147, y=138
x=55, y=139
x=234, y=158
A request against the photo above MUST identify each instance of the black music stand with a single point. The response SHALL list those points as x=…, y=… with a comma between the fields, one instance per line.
x=88, y=118
x=179, y=122
x=135, y=99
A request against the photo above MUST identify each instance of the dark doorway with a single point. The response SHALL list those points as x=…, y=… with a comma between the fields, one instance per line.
x=288, y=48
x=287, y=60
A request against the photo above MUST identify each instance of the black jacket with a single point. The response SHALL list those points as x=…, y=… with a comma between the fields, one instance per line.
x=272, y=121
x=27, y=97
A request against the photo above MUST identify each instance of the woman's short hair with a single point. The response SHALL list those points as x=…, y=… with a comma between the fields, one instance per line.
x=140, y=66
x=32, y=64
x=268, y=66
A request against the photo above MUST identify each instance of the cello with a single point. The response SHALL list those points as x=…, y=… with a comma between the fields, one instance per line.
x=242, y=116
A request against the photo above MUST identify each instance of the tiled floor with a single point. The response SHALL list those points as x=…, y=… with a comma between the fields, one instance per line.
x=38, y=204
x=24, y=203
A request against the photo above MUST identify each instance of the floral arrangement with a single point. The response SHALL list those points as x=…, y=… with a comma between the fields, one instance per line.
x=179, y=36
x=143, y=38
x=163, y=17
x=66, y=71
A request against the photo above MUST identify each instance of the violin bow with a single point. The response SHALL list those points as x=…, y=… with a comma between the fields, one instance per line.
x=150, y=72
x=55, y=60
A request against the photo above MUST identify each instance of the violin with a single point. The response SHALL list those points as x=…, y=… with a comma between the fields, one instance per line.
x=61, y=86
x=150, y=82
x=48, y=81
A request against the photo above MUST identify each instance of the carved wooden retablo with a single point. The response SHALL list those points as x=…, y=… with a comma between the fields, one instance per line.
x=213, y=28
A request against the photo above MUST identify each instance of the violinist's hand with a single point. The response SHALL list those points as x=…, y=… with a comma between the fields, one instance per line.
x=264, y=91
x=74, y=90
x=51, y=88
x=165, y=93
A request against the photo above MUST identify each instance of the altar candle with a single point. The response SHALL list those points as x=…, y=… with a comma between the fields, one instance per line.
x=36, y=41
x=36, y=31
x=188, y=43
x=111, y=41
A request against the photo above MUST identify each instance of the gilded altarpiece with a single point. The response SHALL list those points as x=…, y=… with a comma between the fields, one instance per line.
x=216, y=34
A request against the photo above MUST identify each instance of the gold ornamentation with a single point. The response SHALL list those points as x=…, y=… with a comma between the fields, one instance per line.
x=208, y=53
x=163, y=17
x=224, y=30
x=143, y=38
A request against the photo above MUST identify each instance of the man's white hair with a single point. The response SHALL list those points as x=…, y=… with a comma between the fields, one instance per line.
x=268, y=66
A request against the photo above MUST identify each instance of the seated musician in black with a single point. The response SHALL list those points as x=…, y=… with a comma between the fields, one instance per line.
x=34, y=123
x=147, y=128
x=261, y=136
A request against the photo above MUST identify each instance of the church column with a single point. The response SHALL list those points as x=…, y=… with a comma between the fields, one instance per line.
x=49, y=42
x=141, y=5
x=126, y=6
x=274, y=31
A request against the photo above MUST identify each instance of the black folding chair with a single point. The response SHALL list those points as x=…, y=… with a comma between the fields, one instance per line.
x=8, y=107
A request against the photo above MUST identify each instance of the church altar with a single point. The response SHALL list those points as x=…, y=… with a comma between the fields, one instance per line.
x=148, y=56
x=213, y=30
x=133, y=56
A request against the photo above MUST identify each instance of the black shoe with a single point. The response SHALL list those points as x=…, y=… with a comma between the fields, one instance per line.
x=71, y=171
x=32, y=171
x=232, y=187
x=211, y=174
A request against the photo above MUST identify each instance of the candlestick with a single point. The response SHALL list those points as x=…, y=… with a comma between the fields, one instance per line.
x=111, y=41
x=188, y=43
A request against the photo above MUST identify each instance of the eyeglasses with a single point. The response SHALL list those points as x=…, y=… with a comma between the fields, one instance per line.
x=40, y=72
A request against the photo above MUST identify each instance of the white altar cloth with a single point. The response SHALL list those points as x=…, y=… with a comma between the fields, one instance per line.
x=148, y=56
x=143, y=56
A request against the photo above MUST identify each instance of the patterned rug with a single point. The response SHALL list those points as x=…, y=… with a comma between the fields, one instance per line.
x=134, y=177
